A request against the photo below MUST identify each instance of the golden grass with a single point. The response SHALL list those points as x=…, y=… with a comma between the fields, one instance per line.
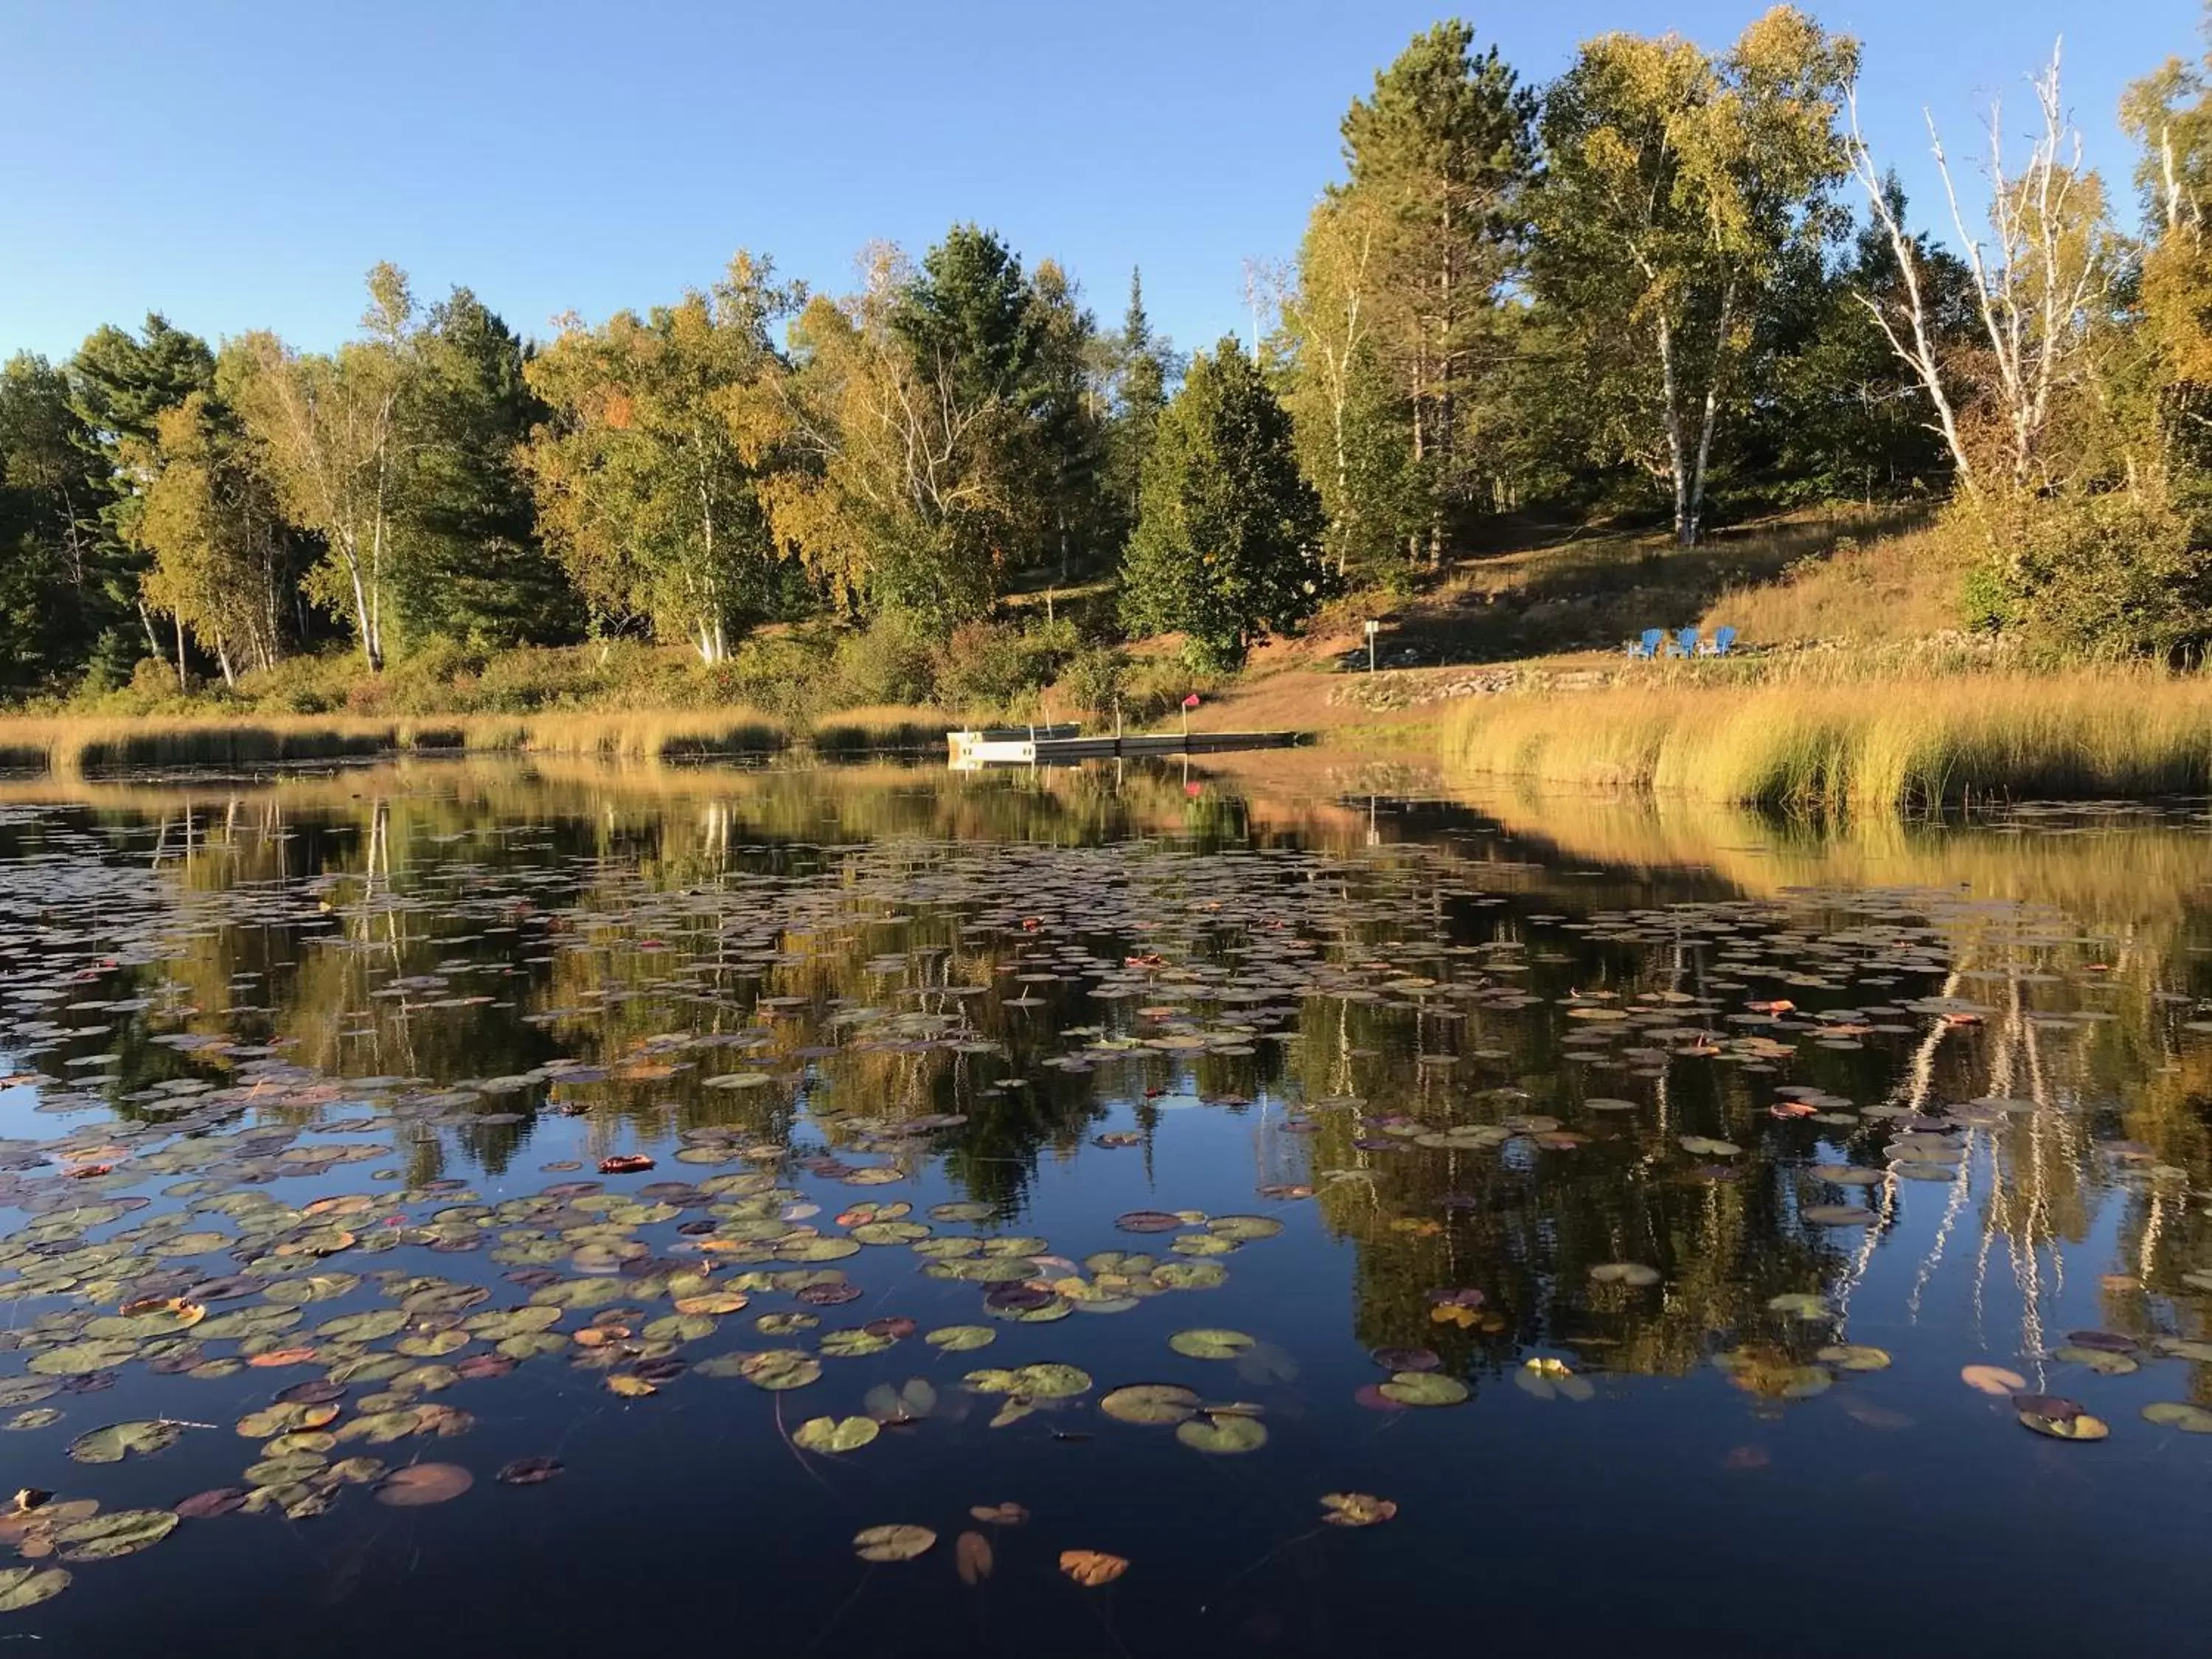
x=77, y=745
x=877, y=728
x=1905, y=743
x=1896, y=587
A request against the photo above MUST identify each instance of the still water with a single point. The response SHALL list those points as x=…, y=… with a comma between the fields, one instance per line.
x=455, y=1208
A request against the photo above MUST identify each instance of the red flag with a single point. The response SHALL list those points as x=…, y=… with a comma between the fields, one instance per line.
x=1191, y=701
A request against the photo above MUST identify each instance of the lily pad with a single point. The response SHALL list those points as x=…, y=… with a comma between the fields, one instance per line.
x=1225, y=1436
x=1423, y=1389
x=1355, y=1509
x=25, y=1586
x=1854, y=1357
x=1150, y=1402
x=834, y=1434
x=2178, y=1414
x=419, y=1485
x=119, y=1440
x=2079, y=1427
x=122, y=1532
x=778, y=1369
x=1206, y=1343
x=893, y=1543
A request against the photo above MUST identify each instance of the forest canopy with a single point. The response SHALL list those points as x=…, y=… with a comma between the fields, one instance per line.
x=1673, y=287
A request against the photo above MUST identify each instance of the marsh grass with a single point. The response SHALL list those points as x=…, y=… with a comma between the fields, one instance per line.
x=1908, y=743
x=75, y=745
x=886, y=728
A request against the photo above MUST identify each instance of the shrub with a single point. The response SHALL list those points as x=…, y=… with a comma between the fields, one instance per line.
x=1000, y=667
x=1094, y=678
x=2118, y=573
x=889, y=661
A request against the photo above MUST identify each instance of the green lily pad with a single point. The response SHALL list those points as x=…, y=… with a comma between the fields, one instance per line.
x=834, y=1434
x=371, y=1326
x=961, y=1339
x=778, y=1369
x=1050, y=1382
x=1151, y=1403
x=2178, y=1414
x=1224, y=1436
x=25, y=1586
x=82, y=1359
x=1207, y=1343
x=123, y=1531
x=119, y=1440
x=1423, y=1389
x=1244, y=1227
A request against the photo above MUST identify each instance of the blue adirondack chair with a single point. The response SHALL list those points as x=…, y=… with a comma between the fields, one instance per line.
x=1723, y=639
x=1649, y=645
x=1685, y=642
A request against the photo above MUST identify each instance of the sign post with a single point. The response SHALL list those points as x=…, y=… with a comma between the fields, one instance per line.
x=1373, y=628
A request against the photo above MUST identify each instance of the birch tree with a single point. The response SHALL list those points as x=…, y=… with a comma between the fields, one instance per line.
x=2044, y=266
x=1352, y=417
x=644, y=492
x=1674, y=182
x=331, y=431
x=220, y=546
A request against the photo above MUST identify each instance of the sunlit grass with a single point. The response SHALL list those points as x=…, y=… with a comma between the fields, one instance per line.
x=72, y=746
x=1905, y=744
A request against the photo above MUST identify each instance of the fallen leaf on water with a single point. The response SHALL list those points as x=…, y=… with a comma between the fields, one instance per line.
x=625, y=1163
x=529, y=1471
x=972, y=1557
x=1091, y=1568
x=1000, y=1515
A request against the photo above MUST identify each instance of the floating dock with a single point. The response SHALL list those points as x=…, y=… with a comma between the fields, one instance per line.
x=967, y=751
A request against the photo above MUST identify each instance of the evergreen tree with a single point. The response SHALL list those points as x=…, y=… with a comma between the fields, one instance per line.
x=54, y=605
x=1140, y=373
x=477, y=571
x=120, y=385
x=1437, y=157
x=1227, y=543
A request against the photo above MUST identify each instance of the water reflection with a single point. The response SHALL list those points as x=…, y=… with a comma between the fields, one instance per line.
x=1552, y=1098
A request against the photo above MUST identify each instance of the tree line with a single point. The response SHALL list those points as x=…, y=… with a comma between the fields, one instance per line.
x=1674, y=284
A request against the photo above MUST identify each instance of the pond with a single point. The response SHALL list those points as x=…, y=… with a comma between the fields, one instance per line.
x=457, y=1207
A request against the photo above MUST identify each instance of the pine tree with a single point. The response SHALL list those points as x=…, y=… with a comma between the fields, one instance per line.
x=1140, y=376
x=1227, y=543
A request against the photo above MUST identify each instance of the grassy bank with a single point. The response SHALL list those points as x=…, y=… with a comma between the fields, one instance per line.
x=76, y=745
x=1908, y=743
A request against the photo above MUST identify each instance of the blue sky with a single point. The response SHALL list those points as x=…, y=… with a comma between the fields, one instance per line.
x=240, y=165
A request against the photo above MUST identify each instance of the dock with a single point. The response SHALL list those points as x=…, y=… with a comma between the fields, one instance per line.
x=1047, y=745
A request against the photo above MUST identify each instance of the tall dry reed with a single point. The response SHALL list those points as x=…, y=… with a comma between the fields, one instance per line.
x=1906, y=744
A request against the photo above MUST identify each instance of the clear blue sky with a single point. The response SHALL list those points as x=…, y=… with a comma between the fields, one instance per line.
x=240, y=165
